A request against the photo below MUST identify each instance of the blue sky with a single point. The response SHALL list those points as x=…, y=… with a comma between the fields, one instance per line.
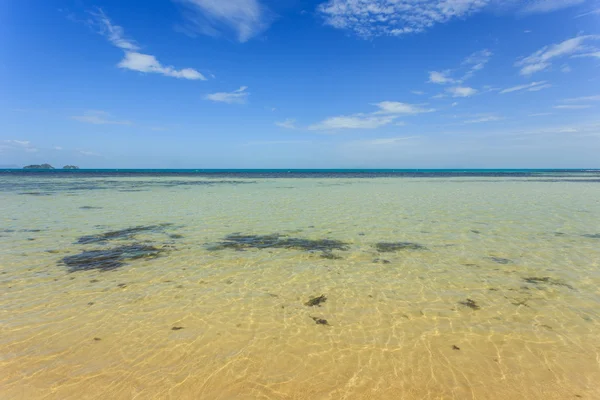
x=300, y=84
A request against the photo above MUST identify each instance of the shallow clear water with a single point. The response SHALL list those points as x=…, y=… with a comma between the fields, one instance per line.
x=525, y=250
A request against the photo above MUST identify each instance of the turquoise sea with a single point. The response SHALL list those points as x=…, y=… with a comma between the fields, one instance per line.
x=300, y=284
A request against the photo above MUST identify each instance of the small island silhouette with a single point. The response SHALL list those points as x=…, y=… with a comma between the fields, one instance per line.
x=48, y=166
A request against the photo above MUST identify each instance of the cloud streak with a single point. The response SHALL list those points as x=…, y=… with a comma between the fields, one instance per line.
x=98, y=118
x=246, y=18
x=135, y=60
x=531, y=87
x=388, y=112
x=542, y=59
x=239, y=96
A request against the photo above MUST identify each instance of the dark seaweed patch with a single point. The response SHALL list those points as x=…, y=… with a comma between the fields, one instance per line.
x=176, y=236
x=500, y=260
x=90, y=208
x=475, y=231
x=128, y=233
x=388, y=247
x=592, y=236
x=35, y=194
x=109, y=259
x=330, y=256
x=470, y=303
x=316, y=301
x=320, y=321
x=547, y=280
x=382, y=261
x=276, y=241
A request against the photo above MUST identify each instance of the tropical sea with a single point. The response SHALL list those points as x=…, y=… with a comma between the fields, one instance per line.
x=276, y=284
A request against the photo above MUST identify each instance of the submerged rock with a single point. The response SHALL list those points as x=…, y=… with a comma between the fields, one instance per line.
x=128, y=233
x=320, y=321
x=276, y=241
x=388, y=247
x=470, y=303
x=500, y=260
x=316, y=301
x=547, y=280
x=109, y=259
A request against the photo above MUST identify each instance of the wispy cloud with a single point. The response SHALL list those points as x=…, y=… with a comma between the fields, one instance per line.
x=596, y=11
x=541, y=59
x=134, y=60
x=539, y=114
x=356, y=121
x=440, y=77
x=18, y=145
x=418, y=92
x=287, y=124
x=246, y=18
x=468, y=67
x=388, y=112
x=485, y=118
x=531, y=87
x=368, y=18
x=461, y=91
x=582, y=99
x=544, y=6
x=572, y=106
x=389, y=141
x=237, y=96
x=476, y=62
x=98, y=118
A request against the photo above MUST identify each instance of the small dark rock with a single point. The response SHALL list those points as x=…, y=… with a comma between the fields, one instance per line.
x=500, y=260
x=455, y=347
x=384, y=247
x=177, y=328
x=316, y=301
x=470, y=303
x=320, y=321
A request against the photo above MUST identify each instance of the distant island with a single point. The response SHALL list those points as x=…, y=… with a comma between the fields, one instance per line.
x=48, y=166
x=36, y=166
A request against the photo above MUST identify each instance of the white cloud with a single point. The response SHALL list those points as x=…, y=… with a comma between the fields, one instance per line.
x=388, y=112
x=532, y=87
x=148, y=63
x=595, y=54
x=368, y=18
x=21, y=145
x=476, y=62
x=540, y=60
x=539, y=114
x=356, y=121
x=394, y=107
x=565, y=68
x=440, y=77
x=388, y=141
x=573, y=106
x=544, y=6
x=596, y=11
x=246, y=18
x=583, y=98
x=454, y=104
x=486, y=118
x=287, y=124
x=133, y=59
x=461, y=91
x=237, y=96
x=57, y=148
x=469, y=66
x=418, y=92
x=114, y=33
x=98, y=118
